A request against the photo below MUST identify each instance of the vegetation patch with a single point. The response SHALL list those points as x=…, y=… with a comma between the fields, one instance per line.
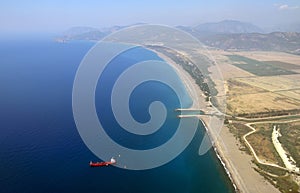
x=271, y=169
x=283, y=65
x=200, y=75
x=257, y=67
x=239, y=130
x=290, y=139
x=284, y=183
x=261, y=142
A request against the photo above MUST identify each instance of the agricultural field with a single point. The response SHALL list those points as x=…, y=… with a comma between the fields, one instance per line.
x=251, y=103
x=263, y=94
x=260, y=82
x=295, y=94
x=256, y=67
x=284, y=65
x=228, y=70
x=274, y=83
x=271, y=56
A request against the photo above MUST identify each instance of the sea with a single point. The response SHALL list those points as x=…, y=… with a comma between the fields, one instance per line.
x=41, y=149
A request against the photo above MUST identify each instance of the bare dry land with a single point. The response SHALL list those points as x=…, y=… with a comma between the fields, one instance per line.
x=274, y=83
x=255, y=103
x=260, y=82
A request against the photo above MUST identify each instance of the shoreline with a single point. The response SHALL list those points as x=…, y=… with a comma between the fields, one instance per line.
x=237, y=165
x=190, y=83
x=222, y=160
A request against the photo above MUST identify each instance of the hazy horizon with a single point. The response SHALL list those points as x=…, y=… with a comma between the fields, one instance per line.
x=57, y=16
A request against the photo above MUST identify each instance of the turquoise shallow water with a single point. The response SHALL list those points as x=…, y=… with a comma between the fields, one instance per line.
x=41, y=150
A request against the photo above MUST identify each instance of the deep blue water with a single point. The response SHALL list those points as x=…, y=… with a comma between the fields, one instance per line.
x=41, y=150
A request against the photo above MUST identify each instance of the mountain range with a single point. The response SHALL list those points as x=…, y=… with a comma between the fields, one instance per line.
x=228, y=26
x=225, y=35
x=275, y=41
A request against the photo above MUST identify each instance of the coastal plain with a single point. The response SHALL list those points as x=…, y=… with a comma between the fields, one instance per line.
x=256, y=86
x=263, y=91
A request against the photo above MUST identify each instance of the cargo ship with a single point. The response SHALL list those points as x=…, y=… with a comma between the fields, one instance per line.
x=99, y=164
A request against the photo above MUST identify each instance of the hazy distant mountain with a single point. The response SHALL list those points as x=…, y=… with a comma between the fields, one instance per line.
x=78, y=30
x=117, y=27
x=228, y=26
x=81, y=33
x=89, y=33
x=294, y=27
x=226, y=35
x=275, y=41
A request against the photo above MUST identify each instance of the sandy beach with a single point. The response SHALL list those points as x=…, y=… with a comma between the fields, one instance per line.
x=238, y=164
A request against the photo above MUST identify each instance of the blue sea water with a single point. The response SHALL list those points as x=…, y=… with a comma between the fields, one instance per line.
x=41, y=150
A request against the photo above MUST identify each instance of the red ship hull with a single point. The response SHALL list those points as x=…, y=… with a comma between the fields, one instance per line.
x=99, y=164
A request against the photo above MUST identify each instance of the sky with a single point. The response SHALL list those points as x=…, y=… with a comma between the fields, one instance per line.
x=59, y=15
